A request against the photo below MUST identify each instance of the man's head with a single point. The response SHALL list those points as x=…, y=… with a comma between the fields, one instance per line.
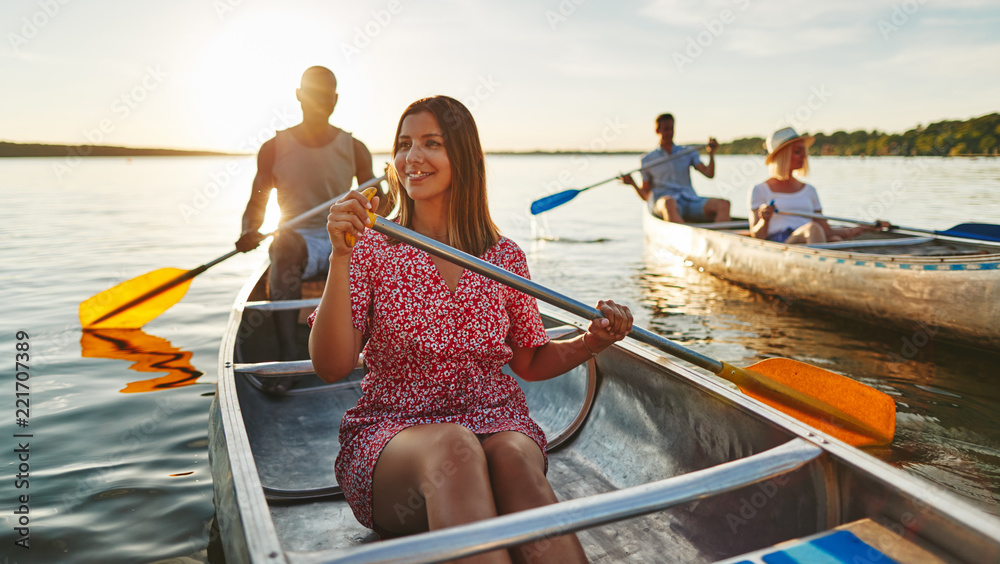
x=317, y=92
x=665, y=128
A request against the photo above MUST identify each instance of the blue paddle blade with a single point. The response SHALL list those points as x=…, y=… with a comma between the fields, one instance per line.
x=555, y=200
x=981, y=231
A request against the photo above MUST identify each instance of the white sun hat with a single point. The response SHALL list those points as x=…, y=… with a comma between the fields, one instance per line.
x=780, y=139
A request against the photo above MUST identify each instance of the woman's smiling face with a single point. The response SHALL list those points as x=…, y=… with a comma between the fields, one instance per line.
x=421, y=160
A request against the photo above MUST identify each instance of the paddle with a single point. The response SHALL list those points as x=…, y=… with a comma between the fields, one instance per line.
x=977, y=231
x=133, y=303
x=545, y=204
x=835, y=404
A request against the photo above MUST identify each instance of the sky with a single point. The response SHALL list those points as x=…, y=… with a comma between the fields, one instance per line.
x=570, y=75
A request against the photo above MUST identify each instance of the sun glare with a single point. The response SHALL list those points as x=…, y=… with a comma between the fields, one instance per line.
x=244, y=88
x=273, y=214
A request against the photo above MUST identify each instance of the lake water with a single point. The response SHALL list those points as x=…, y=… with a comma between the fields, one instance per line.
x=118, y=467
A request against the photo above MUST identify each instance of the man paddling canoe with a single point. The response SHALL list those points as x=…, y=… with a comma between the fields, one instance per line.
x=667, y=186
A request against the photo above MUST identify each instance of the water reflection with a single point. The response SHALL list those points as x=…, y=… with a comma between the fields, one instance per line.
x=148, y=353
x=947, y=395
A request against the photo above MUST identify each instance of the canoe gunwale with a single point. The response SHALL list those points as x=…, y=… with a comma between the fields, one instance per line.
x=577, y=514
x=246, y=529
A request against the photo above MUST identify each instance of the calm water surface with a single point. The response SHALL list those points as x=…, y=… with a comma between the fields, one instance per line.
x=118, y=468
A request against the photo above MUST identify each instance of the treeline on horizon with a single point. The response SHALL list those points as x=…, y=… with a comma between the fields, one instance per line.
x=8, y=149
x=976, y=136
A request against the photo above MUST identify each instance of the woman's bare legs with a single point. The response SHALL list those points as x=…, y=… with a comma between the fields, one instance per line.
x=810, y=234
x=517, y=475
x=431, y=477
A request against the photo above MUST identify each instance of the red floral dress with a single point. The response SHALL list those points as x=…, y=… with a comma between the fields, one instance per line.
x=432, y=356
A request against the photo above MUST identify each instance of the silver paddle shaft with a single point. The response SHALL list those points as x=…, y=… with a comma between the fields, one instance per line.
x=536, y=290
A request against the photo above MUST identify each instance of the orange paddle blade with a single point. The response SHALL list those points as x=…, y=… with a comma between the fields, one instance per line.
x=148, y=353
x=135, y=302
x=837, y=405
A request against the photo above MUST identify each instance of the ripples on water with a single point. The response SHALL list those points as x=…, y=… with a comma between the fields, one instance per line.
x=119, y=468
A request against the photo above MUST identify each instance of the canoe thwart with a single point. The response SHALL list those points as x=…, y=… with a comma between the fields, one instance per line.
x=283, y=305
x=281, y=369
x=577, y=514
x=276, y=369
x=278, y=495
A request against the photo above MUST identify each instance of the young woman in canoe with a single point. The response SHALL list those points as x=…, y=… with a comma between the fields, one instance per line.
x=440, y=436
x=786, y=154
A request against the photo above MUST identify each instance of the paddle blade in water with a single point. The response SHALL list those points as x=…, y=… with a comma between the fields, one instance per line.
x=147, y=353
x=555, y=200
x=837, y=405
x=135, y=302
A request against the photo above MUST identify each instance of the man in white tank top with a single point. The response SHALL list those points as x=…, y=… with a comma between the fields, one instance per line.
x=307, y=164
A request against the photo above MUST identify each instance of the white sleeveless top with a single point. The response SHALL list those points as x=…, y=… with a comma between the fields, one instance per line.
x=308, y=176
x=804, y=200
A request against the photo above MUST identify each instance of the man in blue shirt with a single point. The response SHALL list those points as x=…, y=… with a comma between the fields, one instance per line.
x=666, y=179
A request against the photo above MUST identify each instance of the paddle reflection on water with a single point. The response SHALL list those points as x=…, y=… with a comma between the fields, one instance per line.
x=148, y=353
x=946, y=395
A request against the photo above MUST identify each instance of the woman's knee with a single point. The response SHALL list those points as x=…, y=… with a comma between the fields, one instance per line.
x=452, y=447
x=513, y=453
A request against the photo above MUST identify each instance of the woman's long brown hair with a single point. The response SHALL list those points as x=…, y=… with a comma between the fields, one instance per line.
x=470, y=227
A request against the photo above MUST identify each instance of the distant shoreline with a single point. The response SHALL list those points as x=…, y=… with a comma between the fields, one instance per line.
x=8, y=150
x=33, y=150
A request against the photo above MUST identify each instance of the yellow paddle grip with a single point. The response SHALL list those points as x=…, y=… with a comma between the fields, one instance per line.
x=367, y=193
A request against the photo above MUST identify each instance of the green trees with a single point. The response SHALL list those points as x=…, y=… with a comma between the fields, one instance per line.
x=976, y=136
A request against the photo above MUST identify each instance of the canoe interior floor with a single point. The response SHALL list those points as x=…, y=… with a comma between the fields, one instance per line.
x=331, y=525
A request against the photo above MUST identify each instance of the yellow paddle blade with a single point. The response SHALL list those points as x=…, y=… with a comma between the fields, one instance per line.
x=837, y=405
x=135, y=302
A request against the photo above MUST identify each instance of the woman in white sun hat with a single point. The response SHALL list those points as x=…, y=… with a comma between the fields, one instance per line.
x=786, y=154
